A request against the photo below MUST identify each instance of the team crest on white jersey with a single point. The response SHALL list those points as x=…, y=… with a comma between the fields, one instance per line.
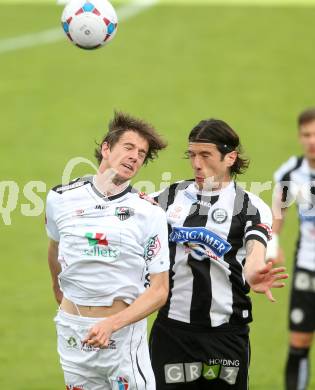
x=219, y=215
x=124, y=213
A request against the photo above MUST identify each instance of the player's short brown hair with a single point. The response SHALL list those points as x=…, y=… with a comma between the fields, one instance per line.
x=306, y=116
x=124, y=122
x=224, y=137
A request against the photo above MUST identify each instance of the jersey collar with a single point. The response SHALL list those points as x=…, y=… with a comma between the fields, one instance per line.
x=111, y=197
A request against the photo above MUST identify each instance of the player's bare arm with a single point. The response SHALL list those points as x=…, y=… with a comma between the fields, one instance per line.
x=274, y=251
x=261, y=276
x=55, y=268
x=151, y=300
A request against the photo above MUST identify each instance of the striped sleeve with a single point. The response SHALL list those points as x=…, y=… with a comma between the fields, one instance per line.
x=282, y=178
x=285, y=168
x=259, y=220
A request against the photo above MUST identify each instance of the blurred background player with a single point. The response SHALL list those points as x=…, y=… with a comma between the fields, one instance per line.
x=218, y=238
x=296, y=183
x=104, y=240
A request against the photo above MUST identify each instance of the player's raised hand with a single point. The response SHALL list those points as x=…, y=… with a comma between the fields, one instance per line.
x=266, y=278
x=100, y=333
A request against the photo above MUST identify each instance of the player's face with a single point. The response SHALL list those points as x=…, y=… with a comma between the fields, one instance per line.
x=307, y=139
x=127, y=156
x=210, y=169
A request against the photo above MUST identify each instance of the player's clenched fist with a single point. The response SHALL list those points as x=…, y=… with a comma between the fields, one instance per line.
x=100, y=333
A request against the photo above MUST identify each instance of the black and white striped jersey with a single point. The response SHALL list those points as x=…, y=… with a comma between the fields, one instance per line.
x=296, y=181
x=207, y=234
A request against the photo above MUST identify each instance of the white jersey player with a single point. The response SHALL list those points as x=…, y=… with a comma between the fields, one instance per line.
x=296, y=184
x=105, y=240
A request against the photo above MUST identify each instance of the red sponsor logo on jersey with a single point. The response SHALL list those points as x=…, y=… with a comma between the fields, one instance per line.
x=96, y=239
x=71, y=387
x=79, y=212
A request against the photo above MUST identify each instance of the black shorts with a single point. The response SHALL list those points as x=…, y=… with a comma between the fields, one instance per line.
x=302, y=301
x=184, y=359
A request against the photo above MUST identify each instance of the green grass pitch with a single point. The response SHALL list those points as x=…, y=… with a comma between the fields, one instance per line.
x=174, y=65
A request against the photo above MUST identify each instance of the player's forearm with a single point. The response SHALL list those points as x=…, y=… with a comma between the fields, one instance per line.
x=277, y=225
x=54, y=265
x=150, y=301
x=255, y=260
x=273, y=244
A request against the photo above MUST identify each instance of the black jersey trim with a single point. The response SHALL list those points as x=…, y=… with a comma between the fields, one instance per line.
x=138, y=365
x=257, y=231
x=253, y=236
x=112, y=197
x=131, y=357
x=73, y=184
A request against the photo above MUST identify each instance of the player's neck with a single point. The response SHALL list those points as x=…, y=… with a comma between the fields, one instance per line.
x=212, y=187
x=311, y=163
x=212, y=184
x=108, y=183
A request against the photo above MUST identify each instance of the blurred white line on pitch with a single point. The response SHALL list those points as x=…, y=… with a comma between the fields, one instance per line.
x=53, y=35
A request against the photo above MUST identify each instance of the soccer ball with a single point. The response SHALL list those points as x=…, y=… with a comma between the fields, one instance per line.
x=89, y=24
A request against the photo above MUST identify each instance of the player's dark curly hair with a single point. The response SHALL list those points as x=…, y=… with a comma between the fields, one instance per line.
x=124, y=122
x=218, y=132
x=306, y=116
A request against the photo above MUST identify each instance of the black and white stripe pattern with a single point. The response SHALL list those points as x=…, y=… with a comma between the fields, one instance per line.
x=207, y=288
x=295, y=182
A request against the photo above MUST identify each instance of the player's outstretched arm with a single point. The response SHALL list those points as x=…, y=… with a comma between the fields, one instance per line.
x=151, y=300
x=261, y=276
x=274, y=251
x=55, y=268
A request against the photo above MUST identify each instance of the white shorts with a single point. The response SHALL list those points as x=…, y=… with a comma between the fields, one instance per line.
x=123, y=365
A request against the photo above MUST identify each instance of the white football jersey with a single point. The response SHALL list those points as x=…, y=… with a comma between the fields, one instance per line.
x=296, y=181
x=107, y=245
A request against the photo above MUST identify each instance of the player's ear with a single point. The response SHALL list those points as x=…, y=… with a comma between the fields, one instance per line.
x=105, y=150
x=230, y=158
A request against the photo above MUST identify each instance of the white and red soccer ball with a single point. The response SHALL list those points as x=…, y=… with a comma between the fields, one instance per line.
x=89, y=24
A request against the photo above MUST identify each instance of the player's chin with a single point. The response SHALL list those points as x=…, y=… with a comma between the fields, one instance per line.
x=311, y=155
x=199, y=179
x=126, y=174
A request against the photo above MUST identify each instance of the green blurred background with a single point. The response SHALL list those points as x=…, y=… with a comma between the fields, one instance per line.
x=175, y=63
